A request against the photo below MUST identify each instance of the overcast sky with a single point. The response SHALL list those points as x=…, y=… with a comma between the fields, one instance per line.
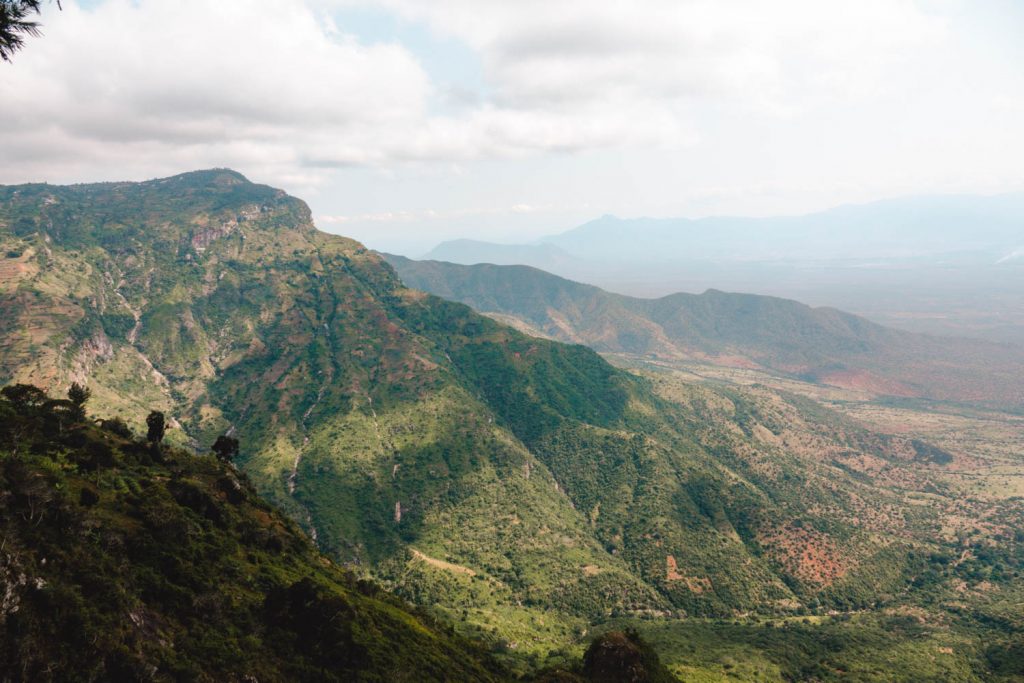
x=405, y=122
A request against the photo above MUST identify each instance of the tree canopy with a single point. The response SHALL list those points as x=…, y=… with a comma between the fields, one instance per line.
x=155, y=424
x=225, y=448
x=15, y=23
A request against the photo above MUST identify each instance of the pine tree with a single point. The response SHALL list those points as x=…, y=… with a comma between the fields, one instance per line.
x=156, y=426
x=78, y=395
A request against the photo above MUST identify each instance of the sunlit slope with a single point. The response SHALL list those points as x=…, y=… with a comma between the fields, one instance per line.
x=515, y=483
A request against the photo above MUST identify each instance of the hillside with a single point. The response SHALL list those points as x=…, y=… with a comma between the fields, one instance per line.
x=523, y=489
x=121, y=561
x=545, y=256
x=818, y=344
x=935, y=264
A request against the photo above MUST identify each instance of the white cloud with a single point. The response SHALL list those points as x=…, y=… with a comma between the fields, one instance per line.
x=772, y=55
x=165, y=84
x=130, y=89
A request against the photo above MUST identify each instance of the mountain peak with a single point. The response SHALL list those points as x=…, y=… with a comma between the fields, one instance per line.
x=187, y=210
x=223, y=177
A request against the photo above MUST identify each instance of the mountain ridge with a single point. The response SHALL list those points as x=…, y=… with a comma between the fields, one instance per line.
x=820, y=344
x=523, y=489
x=937, y=265
x=918, y=225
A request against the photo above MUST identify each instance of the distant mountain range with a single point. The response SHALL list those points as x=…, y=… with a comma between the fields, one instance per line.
x=820, y=344
x=950, y=229
x=942, y=265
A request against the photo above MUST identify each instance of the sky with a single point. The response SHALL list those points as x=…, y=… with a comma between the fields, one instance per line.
x=406, y=122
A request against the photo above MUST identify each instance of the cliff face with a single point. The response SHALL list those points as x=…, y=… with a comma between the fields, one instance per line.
x=361, y=405
x=523, y=486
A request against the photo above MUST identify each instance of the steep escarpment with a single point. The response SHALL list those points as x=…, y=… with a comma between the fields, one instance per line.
x=523, y=487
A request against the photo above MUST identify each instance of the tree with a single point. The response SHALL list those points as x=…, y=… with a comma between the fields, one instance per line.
x=60, y=412
x=24, y=397
x=156, y=425
x=225, y=448
x=116, y=425
x=15, y=24
x=78, y=395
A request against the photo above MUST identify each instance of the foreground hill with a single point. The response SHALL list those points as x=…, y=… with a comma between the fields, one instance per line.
x=742, y=330
x=524, y=489
x=123, y=561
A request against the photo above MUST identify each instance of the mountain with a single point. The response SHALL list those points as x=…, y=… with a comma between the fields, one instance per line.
x=741, y=330
x=911, y=228
x=122, y=562
x=476, y=251
x=940, y=265
x=522, y=489
x=975, y=229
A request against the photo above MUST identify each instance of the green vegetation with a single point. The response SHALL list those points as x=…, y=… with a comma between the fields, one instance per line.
x=120, y=566
x=521, y=490
x=816, y=344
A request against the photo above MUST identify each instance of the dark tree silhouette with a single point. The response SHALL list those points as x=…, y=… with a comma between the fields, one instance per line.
x=225, y=448
x=78, y=395
x=116, y=425
x=24, y=396
x=156, y=425
x=16, y=23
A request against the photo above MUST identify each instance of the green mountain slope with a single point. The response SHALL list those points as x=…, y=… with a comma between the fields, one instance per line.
x=124, y=562
x=525, y=489
x=819, y=344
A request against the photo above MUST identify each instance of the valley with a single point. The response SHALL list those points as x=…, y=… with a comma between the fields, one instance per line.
x=959, y=482
x=525, y=491
x=505, y=342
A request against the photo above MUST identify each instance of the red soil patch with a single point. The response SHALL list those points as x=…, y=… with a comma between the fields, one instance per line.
x=693, y=583
x=805, y=553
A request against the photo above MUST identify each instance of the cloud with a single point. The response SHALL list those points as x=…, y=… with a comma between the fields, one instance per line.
x=774, y=55
x=422, y=215
x=167, y=84
x=274, y=87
